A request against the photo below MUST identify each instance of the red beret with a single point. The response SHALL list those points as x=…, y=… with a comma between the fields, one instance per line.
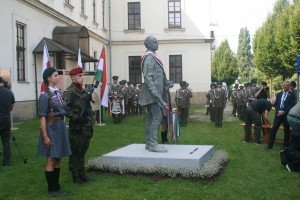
x=75, y=71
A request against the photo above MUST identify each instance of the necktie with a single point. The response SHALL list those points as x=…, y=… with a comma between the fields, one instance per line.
x=283, y=99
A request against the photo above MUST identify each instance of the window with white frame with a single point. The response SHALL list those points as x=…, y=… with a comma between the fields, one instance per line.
x=135, y=74
x=174, y=11
x=134, y=16
x=175, y=68
x=20, y=51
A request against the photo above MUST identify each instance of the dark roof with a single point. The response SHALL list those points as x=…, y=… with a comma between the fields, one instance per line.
x=80, y=30
x=56, y=47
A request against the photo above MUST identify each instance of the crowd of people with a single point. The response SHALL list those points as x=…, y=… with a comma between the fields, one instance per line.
x=252, y=105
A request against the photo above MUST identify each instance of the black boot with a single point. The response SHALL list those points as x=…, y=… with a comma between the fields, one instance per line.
x=206, y=111
x=52, y=187
x=56, y=179
x=76, y=177
x=83, y=176
x=56, y=176
x=164, y=137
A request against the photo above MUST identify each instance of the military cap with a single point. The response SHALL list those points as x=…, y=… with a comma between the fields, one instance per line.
x=187, y=84
x=264, y=83
x=115, y=77
x=121, y=82
x=241, y=86
x=236, y=85
x=254, y=80
x=76, y=70
x=213, y=84
x=129, y=83
x=182, y=83
x=219, y=82
x=48, y=72
x=140, y=85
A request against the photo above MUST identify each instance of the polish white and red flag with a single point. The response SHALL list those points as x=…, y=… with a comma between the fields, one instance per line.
x=46, y=64
x=79, y=63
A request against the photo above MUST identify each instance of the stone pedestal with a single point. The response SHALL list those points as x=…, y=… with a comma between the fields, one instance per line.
x=177, y=157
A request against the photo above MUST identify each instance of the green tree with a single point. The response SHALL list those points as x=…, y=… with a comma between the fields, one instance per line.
x=266, y=49
x=283, y=37
x=224, y=65
x=244, y=55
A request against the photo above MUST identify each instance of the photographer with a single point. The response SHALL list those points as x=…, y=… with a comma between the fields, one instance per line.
x=6, y=106
x=263, y=92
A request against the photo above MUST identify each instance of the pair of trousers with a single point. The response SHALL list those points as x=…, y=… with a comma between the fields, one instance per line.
x=278, y=120
x=252, y=117
x=152, y=124
x=5, y=139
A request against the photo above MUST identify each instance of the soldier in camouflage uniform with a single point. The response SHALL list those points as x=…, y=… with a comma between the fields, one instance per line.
x=182, y=101
x=115, y=96
x=80, y=125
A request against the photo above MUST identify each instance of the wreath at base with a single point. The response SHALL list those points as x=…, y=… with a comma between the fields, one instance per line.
x=209, y=170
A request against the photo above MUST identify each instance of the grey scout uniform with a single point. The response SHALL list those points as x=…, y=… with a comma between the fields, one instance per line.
x=153, y=92
x=183, y=101
x=80, y=128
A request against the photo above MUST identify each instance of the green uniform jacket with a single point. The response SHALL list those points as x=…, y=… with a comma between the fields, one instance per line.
x=76, y=99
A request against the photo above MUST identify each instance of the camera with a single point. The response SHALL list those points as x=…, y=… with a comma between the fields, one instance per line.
x=6, y=85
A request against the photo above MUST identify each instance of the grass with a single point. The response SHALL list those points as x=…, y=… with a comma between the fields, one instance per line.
x=252, y=172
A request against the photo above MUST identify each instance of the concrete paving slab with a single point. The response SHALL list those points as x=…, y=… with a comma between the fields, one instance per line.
x=177, y=157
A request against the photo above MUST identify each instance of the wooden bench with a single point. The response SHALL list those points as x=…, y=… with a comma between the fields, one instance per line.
x=267, y=132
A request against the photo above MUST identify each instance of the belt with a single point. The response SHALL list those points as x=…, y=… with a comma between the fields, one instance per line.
x=59, y=117
x=293, y=116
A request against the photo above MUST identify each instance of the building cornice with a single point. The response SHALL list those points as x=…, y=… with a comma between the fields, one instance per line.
x=174, y=41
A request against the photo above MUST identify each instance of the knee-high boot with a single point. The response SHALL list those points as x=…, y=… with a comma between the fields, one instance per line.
x=50, y=177
x=56, y=178
x=164, y=137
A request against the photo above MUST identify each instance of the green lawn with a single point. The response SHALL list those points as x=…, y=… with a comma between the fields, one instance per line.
x=252, y=172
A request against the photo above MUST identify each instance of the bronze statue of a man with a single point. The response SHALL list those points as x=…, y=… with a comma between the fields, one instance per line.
x=153, y=93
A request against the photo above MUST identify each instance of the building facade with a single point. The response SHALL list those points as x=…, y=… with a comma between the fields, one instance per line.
x=181, y=26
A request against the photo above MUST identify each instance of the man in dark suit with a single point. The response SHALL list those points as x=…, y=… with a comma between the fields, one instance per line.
x=283, y=103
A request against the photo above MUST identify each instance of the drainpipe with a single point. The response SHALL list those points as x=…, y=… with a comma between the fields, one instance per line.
x=36, y=88
x=109, y=26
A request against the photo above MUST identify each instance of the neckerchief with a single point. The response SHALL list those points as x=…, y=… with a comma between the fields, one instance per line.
x=158, y=61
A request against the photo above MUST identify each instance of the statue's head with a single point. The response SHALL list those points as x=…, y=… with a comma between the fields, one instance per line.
x=151, y=43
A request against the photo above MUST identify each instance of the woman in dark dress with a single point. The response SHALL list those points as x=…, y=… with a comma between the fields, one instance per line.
x=53, y=141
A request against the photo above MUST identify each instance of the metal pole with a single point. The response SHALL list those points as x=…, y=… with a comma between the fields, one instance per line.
x=297, y=87
x=110, y=69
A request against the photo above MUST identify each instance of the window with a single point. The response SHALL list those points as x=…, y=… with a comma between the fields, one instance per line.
x=60, y=62
x=135, y=74
x=82, y=6
x=134, y=16
x=175, y=68
x=94, y=10
x=174, y=14
x=20, y=52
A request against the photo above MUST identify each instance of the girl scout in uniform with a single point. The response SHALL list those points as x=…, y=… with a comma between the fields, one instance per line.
x=53, y=141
